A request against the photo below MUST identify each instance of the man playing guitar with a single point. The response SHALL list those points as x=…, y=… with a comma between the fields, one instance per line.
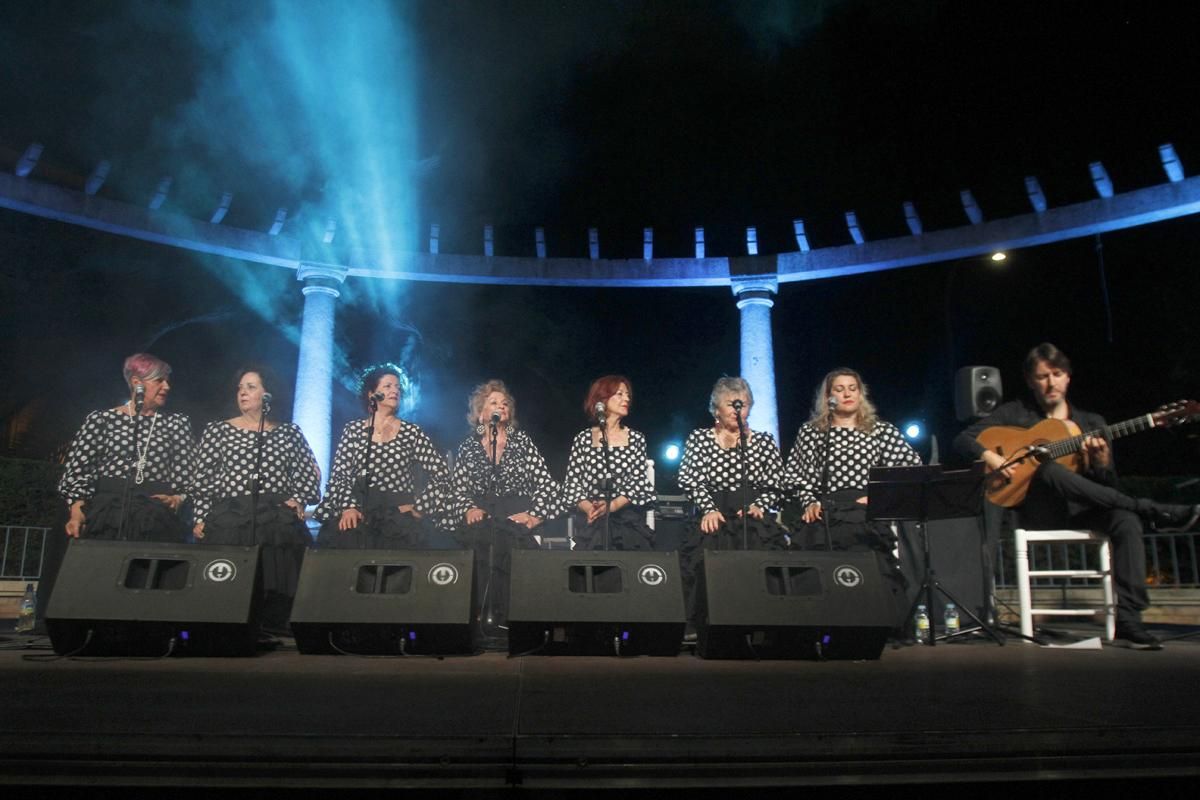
x=1059, y=497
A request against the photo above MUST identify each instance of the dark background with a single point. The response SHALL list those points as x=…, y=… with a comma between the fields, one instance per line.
x=621, y=116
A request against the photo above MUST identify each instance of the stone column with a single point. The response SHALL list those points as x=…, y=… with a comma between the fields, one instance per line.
x=314, y=371
x=758, y=354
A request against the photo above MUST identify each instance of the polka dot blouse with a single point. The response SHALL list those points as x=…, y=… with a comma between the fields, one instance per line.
x=522, y=473
x=586, y=469
x=707, y=467
x=225, y=465
x=104, y=448
x=852, y=453
x=395, y=465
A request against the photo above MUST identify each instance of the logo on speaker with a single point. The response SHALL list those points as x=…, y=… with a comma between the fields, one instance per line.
x=848, y=576
x=220, y=571
x=443, y=574
x=652, y=575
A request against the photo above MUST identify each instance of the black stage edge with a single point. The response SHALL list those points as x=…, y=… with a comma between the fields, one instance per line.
x=954, y=714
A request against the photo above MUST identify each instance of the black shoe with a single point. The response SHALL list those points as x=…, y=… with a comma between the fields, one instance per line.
x=1173, y=518
x=1136, y=637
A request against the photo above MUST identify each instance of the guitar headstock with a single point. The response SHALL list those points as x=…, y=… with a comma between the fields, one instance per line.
x=1176, y=413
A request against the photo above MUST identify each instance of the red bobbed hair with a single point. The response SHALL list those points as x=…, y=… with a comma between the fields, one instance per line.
x=602, y=389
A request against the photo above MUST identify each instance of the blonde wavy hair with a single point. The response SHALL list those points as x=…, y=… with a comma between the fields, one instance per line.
x=866, y=417
x=479, y=395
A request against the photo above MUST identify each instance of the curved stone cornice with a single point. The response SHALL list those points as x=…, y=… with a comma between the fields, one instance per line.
x=1129, y=209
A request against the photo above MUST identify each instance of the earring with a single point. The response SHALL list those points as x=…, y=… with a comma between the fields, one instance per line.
x=508, y=429
x=480, y=428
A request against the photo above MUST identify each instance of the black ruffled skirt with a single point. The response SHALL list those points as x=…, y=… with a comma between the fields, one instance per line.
x=284, y=538
x=845, y=527
x=758, y=534
x=147, y=520
x=627, y=530
x=493, y=539
x=383, y=527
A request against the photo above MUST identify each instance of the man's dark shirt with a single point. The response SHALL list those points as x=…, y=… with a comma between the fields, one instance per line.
x=1023, y=414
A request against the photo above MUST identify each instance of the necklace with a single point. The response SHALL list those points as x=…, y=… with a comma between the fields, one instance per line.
x=386, y=430
x=725, y=439
x=142, y=448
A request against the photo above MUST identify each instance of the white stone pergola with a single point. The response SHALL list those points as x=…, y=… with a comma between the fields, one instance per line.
x=754, y=282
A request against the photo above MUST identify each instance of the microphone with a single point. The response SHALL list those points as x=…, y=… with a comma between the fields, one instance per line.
x=833, y=402
x=139, y=396
x=495, y=418
x=737, y=404
x=377, y=396
x=266, y=402
x=599, y=410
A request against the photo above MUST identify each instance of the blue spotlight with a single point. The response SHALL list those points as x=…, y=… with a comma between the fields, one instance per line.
x=913, y=431
x=672, y=452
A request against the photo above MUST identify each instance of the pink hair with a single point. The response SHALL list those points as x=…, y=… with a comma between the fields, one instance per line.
x=146, y=367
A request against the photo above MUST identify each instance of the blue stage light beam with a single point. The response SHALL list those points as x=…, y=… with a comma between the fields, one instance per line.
x=323, y=97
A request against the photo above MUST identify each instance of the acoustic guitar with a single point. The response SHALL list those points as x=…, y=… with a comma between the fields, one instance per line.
x=1061, y=440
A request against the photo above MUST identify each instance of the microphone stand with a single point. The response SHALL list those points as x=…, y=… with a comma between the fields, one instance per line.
x=742, y=446
x=373, y=404
x=491, y=504
x=495, y=429
x=138, y=399
x=823, y=496
x=608, y=481
x=256, y=482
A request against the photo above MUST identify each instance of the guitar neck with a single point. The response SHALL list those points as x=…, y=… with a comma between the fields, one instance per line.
x=1065, y=447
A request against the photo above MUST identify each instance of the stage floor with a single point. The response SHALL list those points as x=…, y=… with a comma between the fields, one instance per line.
x=963, y=711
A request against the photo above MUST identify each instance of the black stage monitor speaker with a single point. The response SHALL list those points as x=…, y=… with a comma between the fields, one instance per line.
x=595, y=603
x=395, y=602
x=977, y=392
x=153, y=598
x=812, y=604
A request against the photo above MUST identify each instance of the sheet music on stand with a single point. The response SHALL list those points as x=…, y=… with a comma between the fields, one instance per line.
x=924, y=493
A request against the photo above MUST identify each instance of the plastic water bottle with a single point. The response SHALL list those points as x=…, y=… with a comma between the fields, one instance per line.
x=951, y=618
x=28, y=609
x=922, y=624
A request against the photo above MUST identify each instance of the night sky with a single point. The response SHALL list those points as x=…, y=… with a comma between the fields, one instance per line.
x=621, y=116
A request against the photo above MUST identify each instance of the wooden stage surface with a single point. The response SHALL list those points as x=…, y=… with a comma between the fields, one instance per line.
x=959, y=712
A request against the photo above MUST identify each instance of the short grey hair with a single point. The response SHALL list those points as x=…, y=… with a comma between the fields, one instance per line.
x=145, y=367
x=726, y=386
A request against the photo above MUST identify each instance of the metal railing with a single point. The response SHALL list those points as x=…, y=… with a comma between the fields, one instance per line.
x=1171, y=561
x=24, y=552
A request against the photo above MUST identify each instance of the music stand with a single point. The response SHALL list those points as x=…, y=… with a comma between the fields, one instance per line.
x=920, y=494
